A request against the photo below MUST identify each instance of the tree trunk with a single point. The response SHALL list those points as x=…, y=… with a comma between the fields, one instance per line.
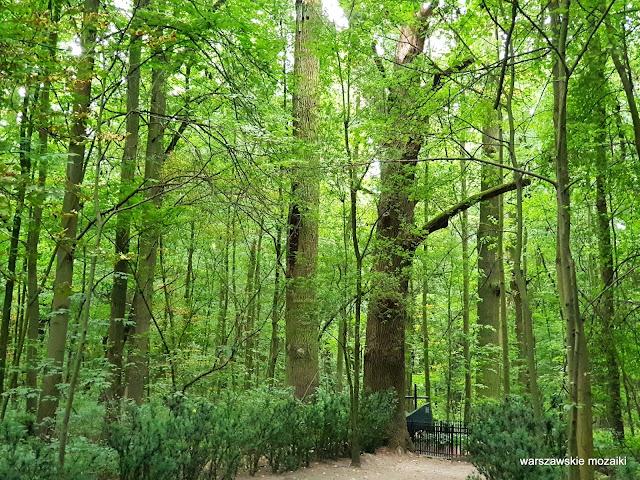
x=357, y=353
x=250, y=291
x=521, y=363
x=86, y=311
x=301, y=321
x=138, y=373
x=524, y=323
x=26, y=133
x=33, y=239
x=489, y=260
x=19, y=337
x=62, y=287
x=605, y=308
x=522, y=295
x=384, y=356
x=466, y=352
x=620, y=59
x=425, y=290
x=188, y=284
x=580, y=438
x=223, y=292
x=504, y=314
x=275, y=313
x=121, y=270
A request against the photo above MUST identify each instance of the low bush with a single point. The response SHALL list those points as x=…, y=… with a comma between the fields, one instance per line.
x=24, y=456
x=190, y=439
x=198, y=439
x=502, y=433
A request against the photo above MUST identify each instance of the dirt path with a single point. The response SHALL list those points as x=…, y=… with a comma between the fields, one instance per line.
x=384, y=465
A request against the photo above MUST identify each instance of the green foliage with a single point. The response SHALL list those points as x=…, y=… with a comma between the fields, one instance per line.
x=190, y=438
x=24, y=456
x=606, y=446
x=630, y=471
x=502, y=433
x=376, y=411
x=196, y=438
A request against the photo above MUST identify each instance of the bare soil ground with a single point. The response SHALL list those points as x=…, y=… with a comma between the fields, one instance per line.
x=385, y=465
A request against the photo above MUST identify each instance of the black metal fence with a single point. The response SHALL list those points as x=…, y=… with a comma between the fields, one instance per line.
x=440, y=439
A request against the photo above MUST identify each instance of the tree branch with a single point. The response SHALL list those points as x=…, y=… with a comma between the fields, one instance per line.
x=514, y=13
x=442, y=220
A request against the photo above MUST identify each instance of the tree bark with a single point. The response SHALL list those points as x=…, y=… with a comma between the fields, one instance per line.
x=121, y=270
x=522, y=295
x=138, y=372
x=33, y=239
x=605, y=308
x=275, y=313
x=489, y=260
x=223, y=291
x=301, y=321
x=357, y=323
x=26, y=133
x=527, y=374
x=384, y=358
x=425, y=290
x=620, y=59
x=504, y=313
x=188, y=284
x=62, y=287
x=19, y=338
x=466, y=352
x=250, y=292
x=580, y=437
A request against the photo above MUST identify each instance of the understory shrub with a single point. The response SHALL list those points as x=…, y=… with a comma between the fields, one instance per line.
x=606, y=445
x=200, y=439
x=25, y=456
x=502, y=433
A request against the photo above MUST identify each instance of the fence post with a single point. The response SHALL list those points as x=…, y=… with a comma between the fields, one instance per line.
x=451, y=428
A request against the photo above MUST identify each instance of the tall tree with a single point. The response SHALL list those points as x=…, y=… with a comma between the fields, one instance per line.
x=489, y=268
x=138, y=372
x=466, y=351
x=26, y=133
x=43, y=124
x=301, y=320
x=63, y=283
x=121, y=271
x=384, y=359
x=524, y=321
x=597, y=81
x=580, y=438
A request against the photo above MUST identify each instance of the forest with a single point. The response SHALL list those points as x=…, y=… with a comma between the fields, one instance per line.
x=243, y=231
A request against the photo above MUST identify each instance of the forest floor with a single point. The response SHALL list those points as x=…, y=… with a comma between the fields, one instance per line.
x=385, y=465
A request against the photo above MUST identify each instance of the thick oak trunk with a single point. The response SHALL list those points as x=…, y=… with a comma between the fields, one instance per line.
x=384, y=357
x=301, y=320
x=489, y=274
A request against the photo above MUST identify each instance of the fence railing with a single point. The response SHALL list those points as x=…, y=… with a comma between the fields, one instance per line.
x=440, y=439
